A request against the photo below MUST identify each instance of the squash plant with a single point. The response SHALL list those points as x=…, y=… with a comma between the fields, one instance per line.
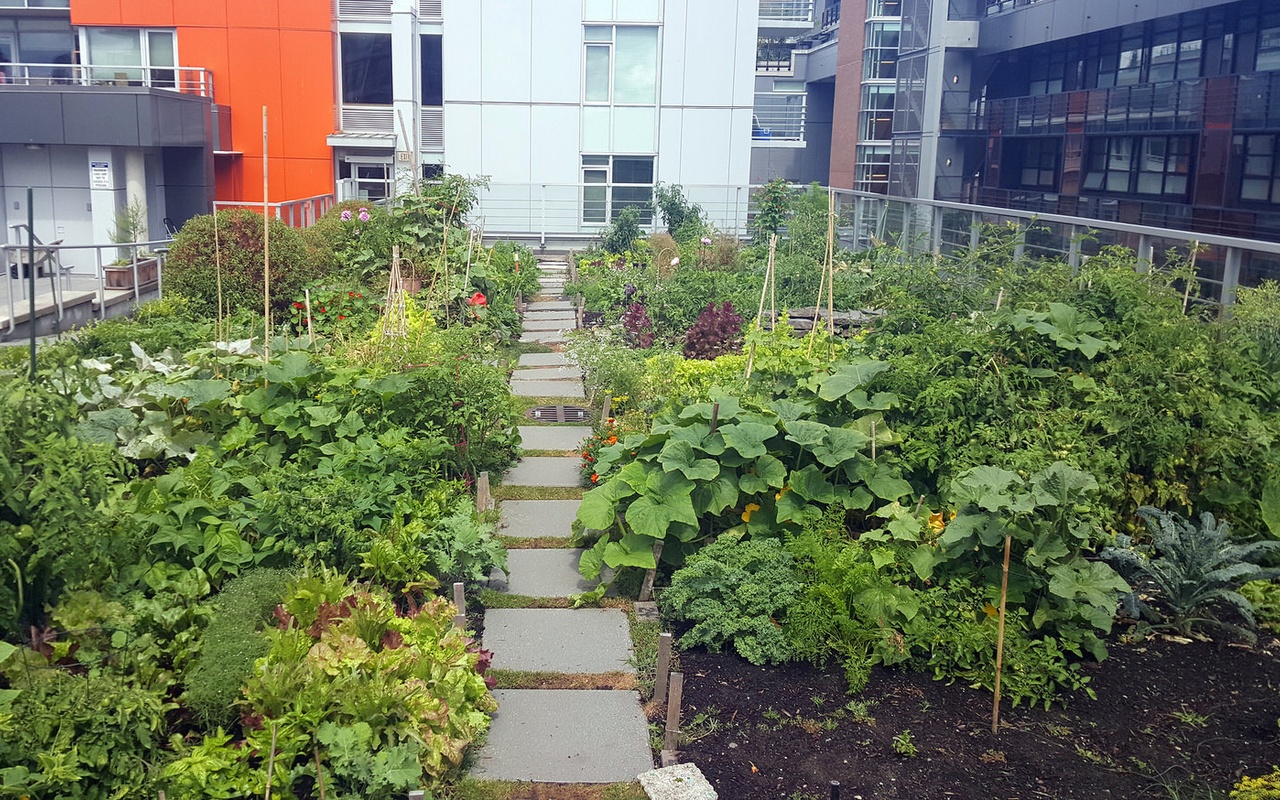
x=716, y=466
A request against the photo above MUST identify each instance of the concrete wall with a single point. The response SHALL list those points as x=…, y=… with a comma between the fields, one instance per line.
x=514, y=106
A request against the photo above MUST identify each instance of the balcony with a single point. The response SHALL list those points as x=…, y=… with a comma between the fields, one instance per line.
x=779, y=18
x=1172, y=106
x=961, y=114
x=778, y=120
x=184, y=80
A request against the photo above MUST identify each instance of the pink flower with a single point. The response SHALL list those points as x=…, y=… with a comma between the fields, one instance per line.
x=706, y=241
x=346, y=215
x=364, y=215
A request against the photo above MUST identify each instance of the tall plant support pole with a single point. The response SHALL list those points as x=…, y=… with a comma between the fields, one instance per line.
x=831, y=264
x=1004, y=599
x=817, y=307
x=217, y=270
x=31, y=276
x=266, y=247
x=764, y=289
x=1191, y=276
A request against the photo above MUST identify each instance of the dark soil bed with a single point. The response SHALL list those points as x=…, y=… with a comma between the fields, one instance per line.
x=1172, y=720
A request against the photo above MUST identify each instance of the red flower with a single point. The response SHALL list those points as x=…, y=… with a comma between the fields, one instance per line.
x=351, y=294
x=321, y=309
x=299, y=305
x=595, y=478
x=341, y=317
x=478, y=299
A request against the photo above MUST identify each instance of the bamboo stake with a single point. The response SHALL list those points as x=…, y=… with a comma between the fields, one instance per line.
x=319, y=772
x=768, y=275
x=817, y=306
x=271, y=761
x=311, y=336
x=1186, y=296
x=1004, y=597
x=873, y=441
x=831, y=266
x=217, y=266
x=1000, y=298
x=266, y=251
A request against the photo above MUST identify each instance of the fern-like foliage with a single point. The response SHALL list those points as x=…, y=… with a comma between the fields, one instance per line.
x=1193, y=570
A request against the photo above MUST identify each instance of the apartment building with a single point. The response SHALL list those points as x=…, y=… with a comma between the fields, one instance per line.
x=572, y=109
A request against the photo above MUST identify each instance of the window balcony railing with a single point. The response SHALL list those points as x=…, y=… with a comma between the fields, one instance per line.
x=1172, y=106
x=960, y=112
x=831, y=15
x=380, y=10
x=778, y=122
x=786, y=11
x=187, y=80
x=998, y=6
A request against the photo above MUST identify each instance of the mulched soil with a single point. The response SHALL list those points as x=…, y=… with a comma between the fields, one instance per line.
x=779, y=733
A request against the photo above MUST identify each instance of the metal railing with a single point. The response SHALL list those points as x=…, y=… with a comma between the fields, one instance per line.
x=139, y=272
x=999, y=6
x=186, y=80
x=776, y=119
x=961, y=113
x=301, y=213
x=380, y=10
x=786, y=11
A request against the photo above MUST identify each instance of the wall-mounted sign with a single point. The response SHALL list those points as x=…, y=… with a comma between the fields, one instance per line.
x=99, y=175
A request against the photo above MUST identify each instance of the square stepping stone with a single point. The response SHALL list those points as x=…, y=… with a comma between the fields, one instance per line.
x=568, y=640
x=529, y=518
x=567, y=313
x=547, y=374
x=543, y=360
x=541, y=573
x=542, y=337
x=524, y=388
x=544, y=471
x=551, y=305
x=566, y=736
x=547, y=437
x=548, y=324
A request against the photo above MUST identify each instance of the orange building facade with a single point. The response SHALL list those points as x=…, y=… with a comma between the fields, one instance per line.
x=277, y=54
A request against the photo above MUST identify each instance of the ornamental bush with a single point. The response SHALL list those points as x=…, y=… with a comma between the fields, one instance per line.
x=197, y=259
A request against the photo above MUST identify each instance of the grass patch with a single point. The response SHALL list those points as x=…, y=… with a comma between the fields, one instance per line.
x=475, y=789
x=538, y=493
x=644, y=651
x=516, y=679
x=536, y=542
x=492, y=599
x=552, y=453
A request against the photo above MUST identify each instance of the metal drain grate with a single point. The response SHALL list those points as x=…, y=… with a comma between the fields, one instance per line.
x=559, y=414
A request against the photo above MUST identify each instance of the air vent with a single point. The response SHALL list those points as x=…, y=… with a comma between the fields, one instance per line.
x=559, y=414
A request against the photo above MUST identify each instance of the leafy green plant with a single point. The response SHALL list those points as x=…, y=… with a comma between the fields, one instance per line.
x=903, y=745
x=735, y=593
x=1192, y=568
x=618, y=235
x=717, y=331
x=773, y=207
x=682, y=218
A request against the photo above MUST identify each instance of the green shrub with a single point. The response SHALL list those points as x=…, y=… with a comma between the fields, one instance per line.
x=231, y=643
x=192, y=268
x=735, y=592
x=167, y=323
x=360, y=248
x=619, y=235
x=1263, y=787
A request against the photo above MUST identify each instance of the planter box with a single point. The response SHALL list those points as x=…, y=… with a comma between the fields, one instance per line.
x=121, y=277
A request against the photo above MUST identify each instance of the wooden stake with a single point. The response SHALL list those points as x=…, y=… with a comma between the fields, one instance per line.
x=484, y=497
x=673, y=712
x=831, y=266
x=266, y=252
x=646, y=588
x=664, y=668
x=715, y=417
x=319, y=772
x=460, y=603
x=1186, y=296
x=768, y=281
x=311, y=336
x=217, y=267
x=1004, y=598
x=271, y=760
x=1000, y=298
x=817, y=306
x=873, y=441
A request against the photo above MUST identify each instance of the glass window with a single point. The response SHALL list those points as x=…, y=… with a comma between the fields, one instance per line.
x=635, y=71
x=366, y=68
x=597, y=73
x=612, y=183
x=1260, y=177
x=432, y=71
x=1268, y=49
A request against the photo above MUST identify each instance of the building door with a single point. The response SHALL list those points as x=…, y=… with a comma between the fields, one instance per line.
x=372, y=176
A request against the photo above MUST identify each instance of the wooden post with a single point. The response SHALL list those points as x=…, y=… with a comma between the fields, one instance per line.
x=460, y=602
x=831, y=264
x=271, y=761
x=607, y=408
x=873, y=441
x=664, y=668
x=266, y=251
x=764, y=289
x=1004, y=597
x=1000, y=298
x=673, y=712
x=646, y=588
x=484, y=498
x=311, y=336
x=715, y=417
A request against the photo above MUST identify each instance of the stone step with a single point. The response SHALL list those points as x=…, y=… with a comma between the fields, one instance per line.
x=543, y=360
x=546, y=374
x=544, y=471
x=588, y=641
x=548, y=338
x=566, y=736
x=530, y=518
x=540, y=573
x=559, y=316
x=532, y=388
x=558, y=437
x=532, y=324
x=551, y=305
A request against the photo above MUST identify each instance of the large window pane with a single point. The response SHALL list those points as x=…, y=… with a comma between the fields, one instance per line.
x=113, y=49
x=633, y=170
x=597, y=74
x=636, y=71
x=366, y=68
x=432, y=71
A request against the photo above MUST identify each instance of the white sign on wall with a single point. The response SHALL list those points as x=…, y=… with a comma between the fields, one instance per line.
x=99, y=175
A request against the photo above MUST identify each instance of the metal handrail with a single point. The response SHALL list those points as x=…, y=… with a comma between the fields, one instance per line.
x=12, y=258
x=184, y=80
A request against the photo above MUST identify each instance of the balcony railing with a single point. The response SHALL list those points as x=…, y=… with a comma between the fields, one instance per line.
x=998, y=6
x=187, y=80
x=786, y=10
x=380, y=10
x=831, y=15
x=778, y=121
x=961, y=113
x=1173, y=106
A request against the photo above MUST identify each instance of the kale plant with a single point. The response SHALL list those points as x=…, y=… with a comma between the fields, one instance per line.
x=1192, y=569
x=735, y=592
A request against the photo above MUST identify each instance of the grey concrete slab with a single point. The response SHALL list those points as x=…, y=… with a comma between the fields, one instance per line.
x=551, y=305
x=547, y=374
x=566, y=736
x=548, y=324
x=553, y=437
x=541, y=573
x=566, y=640
x=678, y=782
x=559, y=316
x=542, y=337
x=543, y=360
x=570, y=389
x=544, y=471
x=529, y=518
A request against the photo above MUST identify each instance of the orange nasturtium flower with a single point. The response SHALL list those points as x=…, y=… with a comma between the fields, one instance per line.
x=937, y=522
x=751, y=507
